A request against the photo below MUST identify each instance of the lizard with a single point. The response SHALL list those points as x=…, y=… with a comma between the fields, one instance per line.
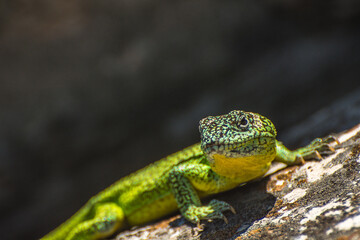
x=235, y=148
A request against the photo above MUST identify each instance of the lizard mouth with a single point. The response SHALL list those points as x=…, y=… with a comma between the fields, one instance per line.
x=252, y=145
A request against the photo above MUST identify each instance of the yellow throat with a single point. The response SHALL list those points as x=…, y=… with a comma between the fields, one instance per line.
x=242, y=169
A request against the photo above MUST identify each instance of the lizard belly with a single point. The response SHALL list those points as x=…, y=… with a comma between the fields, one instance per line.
x=148, y=201
x=154, y=210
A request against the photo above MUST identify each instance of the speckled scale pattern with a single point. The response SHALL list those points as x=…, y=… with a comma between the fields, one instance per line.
x=230, y=131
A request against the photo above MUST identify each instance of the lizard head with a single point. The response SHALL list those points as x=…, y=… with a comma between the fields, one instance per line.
x=238, y=142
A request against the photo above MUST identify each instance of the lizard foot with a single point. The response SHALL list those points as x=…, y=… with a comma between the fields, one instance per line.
x=318, y=148
x=214, y=210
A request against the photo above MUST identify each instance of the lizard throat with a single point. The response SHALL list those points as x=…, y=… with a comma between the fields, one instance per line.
x=249, y=160
x=241, y=169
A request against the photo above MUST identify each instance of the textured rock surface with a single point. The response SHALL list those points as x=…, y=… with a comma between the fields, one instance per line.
x=318, y=200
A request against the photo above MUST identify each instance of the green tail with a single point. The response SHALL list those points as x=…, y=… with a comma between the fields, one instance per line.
x=64, y=229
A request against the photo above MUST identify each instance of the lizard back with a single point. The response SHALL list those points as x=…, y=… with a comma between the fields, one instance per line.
x=147, y=175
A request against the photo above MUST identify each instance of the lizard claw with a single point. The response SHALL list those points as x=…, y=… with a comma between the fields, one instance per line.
x=232, y=210
x=317, y=154
x=300, y=160
x=331, y=149
x=314, y=154
x=198, y=225
x=331, y=138
x=225, y=220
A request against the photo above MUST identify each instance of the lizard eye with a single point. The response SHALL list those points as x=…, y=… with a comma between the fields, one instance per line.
x=243, y=122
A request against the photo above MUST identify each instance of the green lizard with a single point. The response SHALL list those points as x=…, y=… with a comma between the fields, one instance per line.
x=235, y=148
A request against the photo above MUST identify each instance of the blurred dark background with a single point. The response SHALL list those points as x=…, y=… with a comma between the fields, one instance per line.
x=93, y=90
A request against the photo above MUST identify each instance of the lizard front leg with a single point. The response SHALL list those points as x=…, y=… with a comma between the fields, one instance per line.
x=107, y=219
x=184, y=179
x=313, y=151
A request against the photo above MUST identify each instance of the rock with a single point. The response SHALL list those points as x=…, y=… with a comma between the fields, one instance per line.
x=318, y=200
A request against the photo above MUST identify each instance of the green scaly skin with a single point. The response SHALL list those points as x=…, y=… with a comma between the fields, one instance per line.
x=235, y=148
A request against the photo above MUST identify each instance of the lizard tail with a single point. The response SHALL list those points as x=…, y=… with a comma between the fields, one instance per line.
x=64, y=229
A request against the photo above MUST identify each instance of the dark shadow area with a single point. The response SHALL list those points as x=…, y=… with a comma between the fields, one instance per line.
x=251, y=203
